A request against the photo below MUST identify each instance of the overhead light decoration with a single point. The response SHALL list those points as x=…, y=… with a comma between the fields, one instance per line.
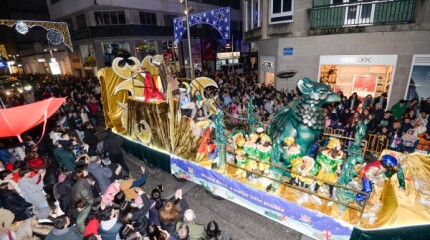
x=57, y=32
x=54, y=37
x=21, y=27
x=217, y=18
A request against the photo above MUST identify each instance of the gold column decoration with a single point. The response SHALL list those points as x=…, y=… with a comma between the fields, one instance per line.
x=61, y=27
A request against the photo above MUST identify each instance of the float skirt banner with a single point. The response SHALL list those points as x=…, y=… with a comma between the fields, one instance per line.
x=308, y=222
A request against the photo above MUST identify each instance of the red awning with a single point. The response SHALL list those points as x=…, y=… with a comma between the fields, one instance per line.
x=14, y=121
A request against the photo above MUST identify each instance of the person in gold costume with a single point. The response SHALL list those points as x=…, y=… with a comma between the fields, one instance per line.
x=240, y=156
x=251, y=151
x=330, y=162
x=264, y=153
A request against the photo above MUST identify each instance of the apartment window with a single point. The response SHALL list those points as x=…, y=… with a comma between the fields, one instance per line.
x=69, y=24
x=281, y=11
x=168, y=19
x=110, y=17
x=147, y=18
x=82, y=22
x=253, y=19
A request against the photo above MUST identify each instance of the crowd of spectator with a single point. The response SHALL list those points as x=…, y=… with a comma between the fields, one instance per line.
x=74, y=184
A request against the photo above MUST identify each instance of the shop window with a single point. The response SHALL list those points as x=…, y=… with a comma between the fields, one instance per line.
x=82, y=22
x=357, y=12
x=253, y=19
x=111, y=50
x=419, y=79
x=147, y=18
x=281, y=11
x=168, y=19
x=110, y=17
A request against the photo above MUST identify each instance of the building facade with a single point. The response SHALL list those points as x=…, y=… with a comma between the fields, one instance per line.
x=103, y=29
x=368, y=47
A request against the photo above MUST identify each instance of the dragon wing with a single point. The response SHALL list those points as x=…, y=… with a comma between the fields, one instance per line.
x=279, y=121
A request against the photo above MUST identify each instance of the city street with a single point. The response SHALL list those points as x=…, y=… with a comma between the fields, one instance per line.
x=240, y=222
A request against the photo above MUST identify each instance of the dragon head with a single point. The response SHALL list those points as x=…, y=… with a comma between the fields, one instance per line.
x=318, y=93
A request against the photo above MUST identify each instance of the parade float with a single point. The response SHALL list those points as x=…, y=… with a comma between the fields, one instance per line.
x=293, y=170
x=284, y=172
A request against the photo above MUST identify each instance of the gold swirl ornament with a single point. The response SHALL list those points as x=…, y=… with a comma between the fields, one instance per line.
x=143, y=131
x=124, y=114
x=149, y=66
x=130, y=86
x=127, y=70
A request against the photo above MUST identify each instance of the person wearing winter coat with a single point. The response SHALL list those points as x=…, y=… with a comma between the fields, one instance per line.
x=32, y=190
x=136, y=217
x=63, y=191
x=82, y=189
x=65, y=157
x=100, y=173
x=169, y=214
x=110, y=225
x=112, y=146
x=12, y=201
x=196, y=231
x=61, y=231
x=127, y=186
x=90, y=138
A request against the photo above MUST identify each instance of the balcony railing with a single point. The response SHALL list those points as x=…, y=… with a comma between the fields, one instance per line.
x=326, y=14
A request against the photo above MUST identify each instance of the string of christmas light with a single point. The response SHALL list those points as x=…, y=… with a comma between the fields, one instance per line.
x=217, y=18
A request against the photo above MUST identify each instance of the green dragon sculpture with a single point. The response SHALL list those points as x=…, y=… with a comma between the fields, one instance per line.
x=303, y=119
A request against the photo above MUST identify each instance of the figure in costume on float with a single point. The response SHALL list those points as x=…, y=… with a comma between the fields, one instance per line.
x=241, y=158
x=377, y=172
x=250, y=148
x=185, y=102
x=264, y=151
x=291, y=151
x=301, y=168
x=330, y=161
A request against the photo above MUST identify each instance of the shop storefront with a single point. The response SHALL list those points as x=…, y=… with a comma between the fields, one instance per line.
x=419, y=78
x=363, y=74
x=267, y=70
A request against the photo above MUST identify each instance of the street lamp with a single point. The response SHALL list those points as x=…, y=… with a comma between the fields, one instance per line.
x=187, y=13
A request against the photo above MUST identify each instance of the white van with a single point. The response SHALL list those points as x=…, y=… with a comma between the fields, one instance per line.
x=233, y=67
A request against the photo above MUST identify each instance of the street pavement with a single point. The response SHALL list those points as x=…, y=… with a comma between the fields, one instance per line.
x=239, y=222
